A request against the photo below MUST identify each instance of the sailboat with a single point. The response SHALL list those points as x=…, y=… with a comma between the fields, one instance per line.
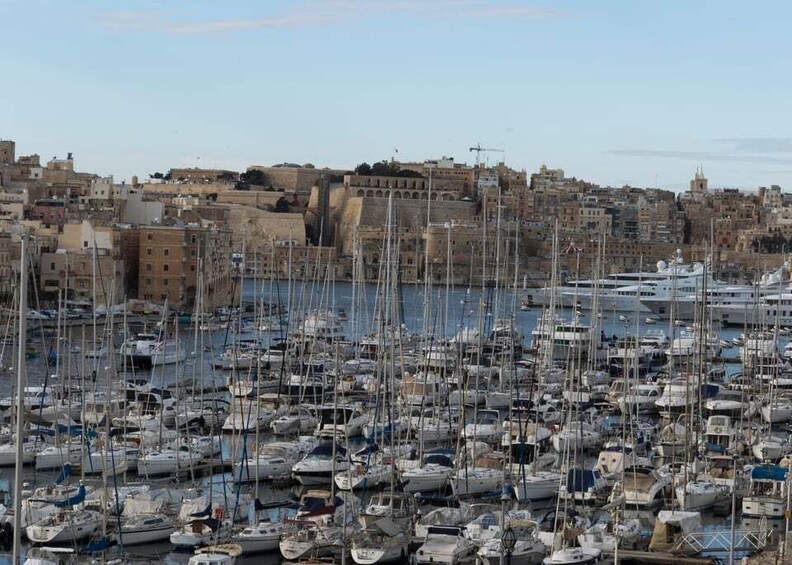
x=382, y=542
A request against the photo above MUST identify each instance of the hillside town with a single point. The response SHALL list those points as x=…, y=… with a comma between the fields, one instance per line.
x=149, y=238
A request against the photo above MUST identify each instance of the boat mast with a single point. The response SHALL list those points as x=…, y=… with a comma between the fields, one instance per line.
x=21, y=379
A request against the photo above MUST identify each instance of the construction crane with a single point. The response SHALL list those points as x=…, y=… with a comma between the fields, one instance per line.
x=479, y=150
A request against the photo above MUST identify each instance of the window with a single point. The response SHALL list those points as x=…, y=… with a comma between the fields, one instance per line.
x=166, y=252
x=164, y=282
x=148, y=267
x=148, y=236
x=192, y=268
x=52, y=266
x=165, y=268
x=163, y=296
x=148, y=280
x=148, y=250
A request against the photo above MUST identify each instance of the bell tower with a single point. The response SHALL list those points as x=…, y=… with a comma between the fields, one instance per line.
x=699, y=183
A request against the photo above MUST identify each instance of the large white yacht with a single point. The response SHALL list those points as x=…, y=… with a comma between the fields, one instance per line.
x=729, y=297
x=767, y=311
x=618, y=291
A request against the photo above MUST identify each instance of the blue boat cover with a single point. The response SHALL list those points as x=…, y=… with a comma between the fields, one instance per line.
x=99, y=545
x=64, y=474
x=76, y=499
x=580, y=480
x=769, y=473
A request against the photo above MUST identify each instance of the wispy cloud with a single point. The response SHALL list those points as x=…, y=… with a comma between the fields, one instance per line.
x=320, y=12
x=758, y=144
x=701, y=156
x=293, y=20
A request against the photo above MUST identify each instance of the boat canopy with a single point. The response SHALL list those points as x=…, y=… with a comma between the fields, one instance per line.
x=769, y=473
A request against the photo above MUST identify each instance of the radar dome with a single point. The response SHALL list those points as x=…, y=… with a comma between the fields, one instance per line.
x=662, y=265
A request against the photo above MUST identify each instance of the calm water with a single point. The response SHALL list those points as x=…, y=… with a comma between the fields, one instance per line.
x=448, y=312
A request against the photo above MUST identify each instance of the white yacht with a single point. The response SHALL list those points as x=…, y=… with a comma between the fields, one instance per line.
x=766, y=311
x=340, y=422
x=382, y=542
x=221, y=554
x=65, y=527
x=147, y=350
x=767, y=493
x=581, y=293
x=264, y=536
x=146, y=528
x=487, y=426
x=641, y=399
x=431, y=476
x=445, y=545
x=321, y=326
x=167, y=461
x=318, y=465
x=528, y=548
x=200, y=531
x=561, y=339
x=643, y=487
x=272, y=461
x=718, y=295
x=309, y=540
x=679, y=395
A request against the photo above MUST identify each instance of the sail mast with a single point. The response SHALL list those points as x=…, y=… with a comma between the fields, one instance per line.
x=21, y=379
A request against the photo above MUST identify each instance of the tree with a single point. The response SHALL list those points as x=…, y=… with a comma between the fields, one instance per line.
x=227, y=176
x=385, y=169
x=281, y=206
x=255, y=176
x=156, y=175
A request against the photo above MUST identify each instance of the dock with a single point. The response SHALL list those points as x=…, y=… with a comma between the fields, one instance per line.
x=650, y=557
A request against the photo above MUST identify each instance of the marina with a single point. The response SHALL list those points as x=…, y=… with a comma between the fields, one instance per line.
x=330, y=437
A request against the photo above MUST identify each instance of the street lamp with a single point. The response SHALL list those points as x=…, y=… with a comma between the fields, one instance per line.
x=508, y=541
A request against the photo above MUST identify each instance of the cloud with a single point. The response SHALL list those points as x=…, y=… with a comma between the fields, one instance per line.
x=320, y=12
x=758, y=144
x=294, y=20
x=700, y=156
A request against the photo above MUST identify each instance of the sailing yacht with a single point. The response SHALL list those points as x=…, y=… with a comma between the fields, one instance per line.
x=431, y=475
x=382, y=542
x=65, y=527
x=261, y=537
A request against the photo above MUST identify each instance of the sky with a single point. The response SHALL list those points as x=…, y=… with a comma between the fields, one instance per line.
x=615, y=92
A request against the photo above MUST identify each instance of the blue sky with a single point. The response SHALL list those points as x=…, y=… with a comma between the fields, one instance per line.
x=612, y=91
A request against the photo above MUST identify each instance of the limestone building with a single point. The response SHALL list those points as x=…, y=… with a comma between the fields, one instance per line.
x=174, y=260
